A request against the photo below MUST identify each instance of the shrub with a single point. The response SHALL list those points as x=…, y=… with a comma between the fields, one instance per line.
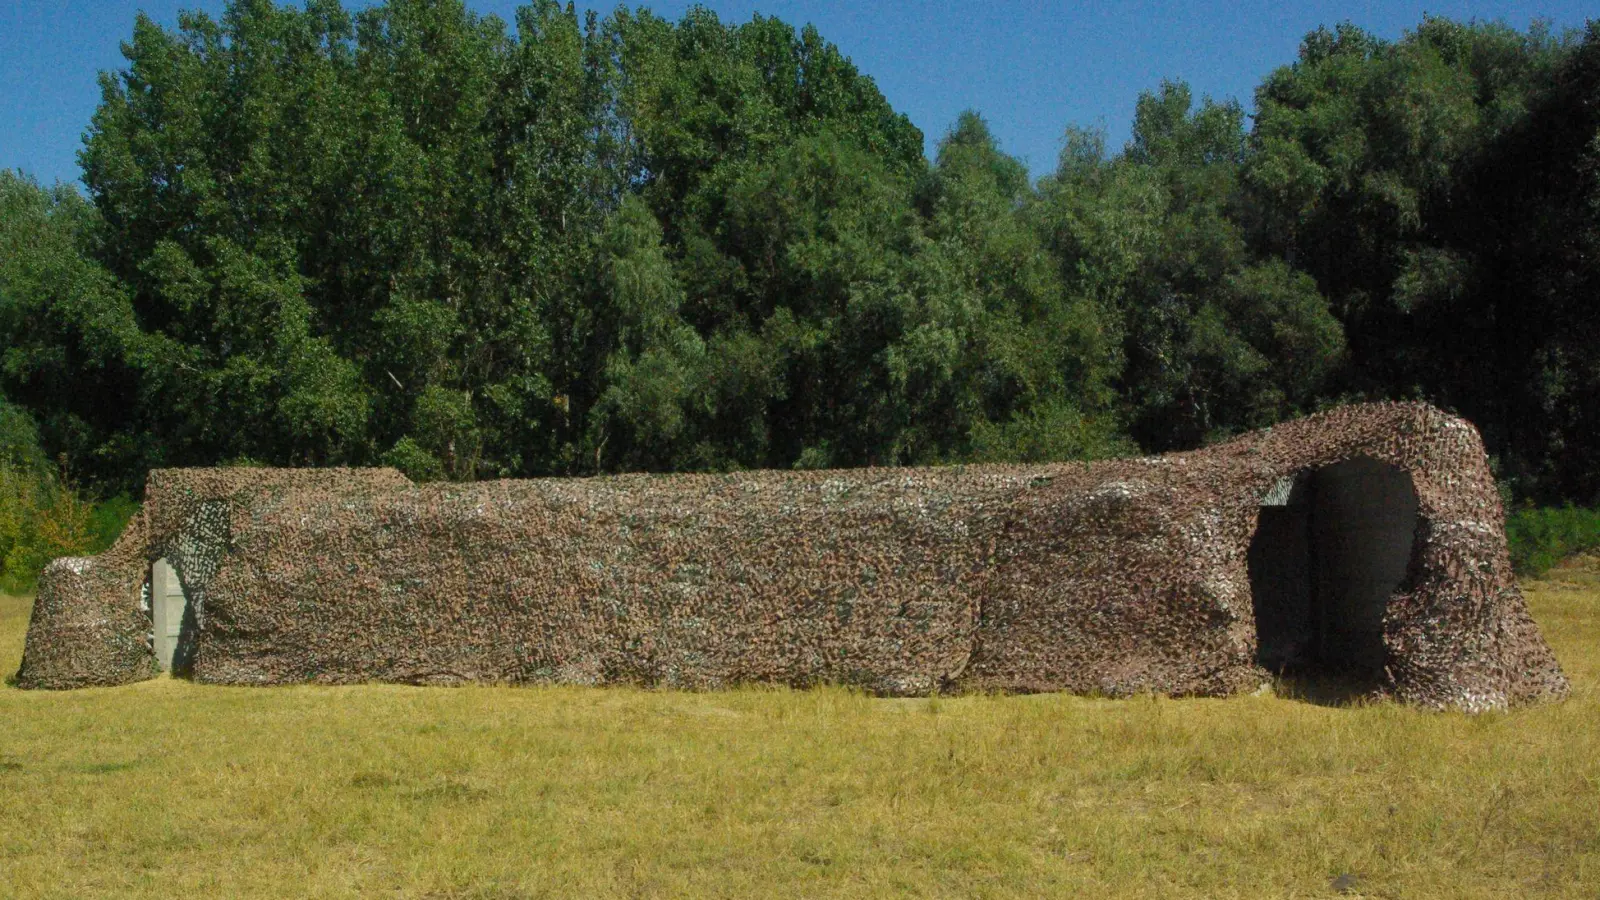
x=414, y=461
x=43, y=517
x=1542, y=537
x=19, y=439
x=107, y=519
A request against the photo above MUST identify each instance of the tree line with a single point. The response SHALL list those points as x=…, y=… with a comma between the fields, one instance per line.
x=416, y=236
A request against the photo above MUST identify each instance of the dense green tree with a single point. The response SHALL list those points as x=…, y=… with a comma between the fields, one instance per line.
x=1027, y=366
x=1401, y=176
x=571, y=244
x=1356, y=152
x=73, y=355
x=654, y=363
x=403, y=234
x=781, y=179
x=1507, y=299
x=1216, y=339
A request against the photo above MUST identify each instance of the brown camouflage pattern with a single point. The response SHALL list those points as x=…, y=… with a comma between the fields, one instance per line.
x=1118, y=577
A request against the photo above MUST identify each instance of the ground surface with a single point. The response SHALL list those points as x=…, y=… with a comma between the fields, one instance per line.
x=171, y=789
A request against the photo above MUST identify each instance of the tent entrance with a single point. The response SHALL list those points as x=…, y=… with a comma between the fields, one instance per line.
x=1331, y=546
x=172, y=625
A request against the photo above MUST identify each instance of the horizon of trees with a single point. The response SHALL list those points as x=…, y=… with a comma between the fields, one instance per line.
x=413, y=235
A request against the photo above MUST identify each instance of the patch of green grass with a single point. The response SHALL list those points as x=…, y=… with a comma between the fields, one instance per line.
x=170, y=788
x=13, y=632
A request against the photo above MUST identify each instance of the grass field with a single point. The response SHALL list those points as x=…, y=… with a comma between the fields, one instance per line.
x=172, y=789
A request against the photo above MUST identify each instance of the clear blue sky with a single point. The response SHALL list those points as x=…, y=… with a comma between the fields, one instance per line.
x=1031, y=68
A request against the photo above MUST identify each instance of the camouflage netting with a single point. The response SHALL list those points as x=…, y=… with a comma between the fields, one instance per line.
x=1116, y=577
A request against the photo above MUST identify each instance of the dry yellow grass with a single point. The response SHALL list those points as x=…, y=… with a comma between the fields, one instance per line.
x=172, y=789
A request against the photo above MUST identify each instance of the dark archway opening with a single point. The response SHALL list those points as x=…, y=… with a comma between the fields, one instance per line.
x=1331, y=547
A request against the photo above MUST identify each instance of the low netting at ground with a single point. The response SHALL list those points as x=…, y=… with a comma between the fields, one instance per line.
x=1366, y=543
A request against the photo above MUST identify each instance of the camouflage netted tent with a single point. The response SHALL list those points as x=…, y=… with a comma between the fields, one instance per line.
x=1366, y=542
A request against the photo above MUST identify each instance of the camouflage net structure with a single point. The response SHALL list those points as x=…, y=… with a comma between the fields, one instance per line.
x=1116, y=577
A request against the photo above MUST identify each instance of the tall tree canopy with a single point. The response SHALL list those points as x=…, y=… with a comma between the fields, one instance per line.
x=566, y=244
x=1216, y=338
x=1418, y=182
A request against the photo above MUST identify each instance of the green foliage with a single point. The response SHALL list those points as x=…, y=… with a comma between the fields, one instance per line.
x=42, y=518
x=107, y=519
x=1540, y=537
x=1440, y=191
x=69, y=332
x=19, y=440
x=1048, y=434
x=414, y=461
x=1215, y=338
x=1004, y=349
x=653, y=360
x=1508, y=302
x=411, y=235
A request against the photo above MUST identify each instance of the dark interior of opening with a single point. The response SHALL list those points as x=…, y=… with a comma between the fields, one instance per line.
x=1328, y=552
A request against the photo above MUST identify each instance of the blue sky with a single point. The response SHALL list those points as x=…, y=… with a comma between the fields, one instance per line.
x=1031, y=68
